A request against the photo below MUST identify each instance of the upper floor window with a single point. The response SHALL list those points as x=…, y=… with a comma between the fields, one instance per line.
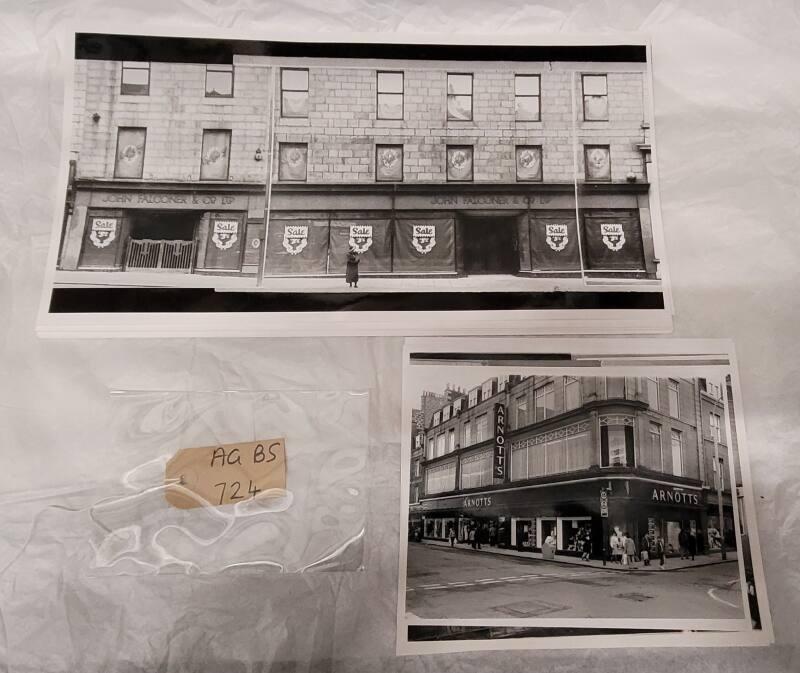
x=389, y=163
x=615, y=387
x=714, y=422
x=459, y=97
x=467, y=434
x=430, y=448
x=215, y=155
x=529, y=163
x=526, y=98
x=440, y=445
x=597, y=162
x=521, y=411
x=451, y=439
x=390, y=95
x=294, y=92
x=446, y=413
x=459, y=163
x=674, y=399
x=719, y=474
x=652, y=393
x=656, y=449
x=129, y=161
x=487, y=389
x=572, y=392
x=473, y=397
x=595, y=98
x=545, y=401
x=437, y=417
x=677, y=453
x=219, y=80
x=292, y=162
x=616, y=443
x=482, y=428
x=135, y=78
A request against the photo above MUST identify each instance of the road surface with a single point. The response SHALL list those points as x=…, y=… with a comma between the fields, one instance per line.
x=445, y=583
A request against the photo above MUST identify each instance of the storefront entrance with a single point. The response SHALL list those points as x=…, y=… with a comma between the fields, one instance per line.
x=489, y=244
x=161, y=241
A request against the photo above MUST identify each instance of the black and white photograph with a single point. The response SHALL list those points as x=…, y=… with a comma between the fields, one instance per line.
x=553, y=491
x=244, y=176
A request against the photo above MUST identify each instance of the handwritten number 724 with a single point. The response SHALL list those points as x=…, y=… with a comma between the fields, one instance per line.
x=233, y=491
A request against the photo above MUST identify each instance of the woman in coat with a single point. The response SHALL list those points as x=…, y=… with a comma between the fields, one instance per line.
x=351, y=274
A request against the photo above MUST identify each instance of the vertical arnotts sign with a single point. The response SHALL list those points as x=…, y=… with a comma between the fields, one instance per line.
x=500, y=461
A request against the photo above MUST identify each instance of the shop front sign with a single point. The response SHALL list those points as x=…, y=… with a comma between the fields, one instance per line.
x=477, y=503
x=360, y=237
x=500, y=462
x=603, y=503
x=676, y=496
x=103, y=231
x=295, y=238
x=613, y=236
x=168, y=200
x=423, y=238
x=556, y=236
x=225, y=233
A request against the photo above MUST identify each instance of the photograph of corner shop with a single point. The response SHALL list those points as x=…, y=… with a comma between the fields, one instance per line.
x=390, y=168
x=568, y=498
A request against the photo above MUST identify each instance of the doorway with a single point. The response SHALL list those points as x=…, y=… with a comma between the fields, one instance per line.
x=489, y=244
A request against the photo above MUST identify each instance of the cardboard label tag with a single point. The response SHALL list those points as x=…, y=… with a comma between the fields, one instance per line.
x=224, y=475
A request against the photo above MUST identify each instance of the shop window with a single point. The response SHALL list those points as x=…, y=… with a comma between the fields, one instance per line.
x=459, y=97
x=572, y=393
x=714, y=422
x=219, y=80
x=459, y=163
x=129, y=161
x=574, y=531
x=389, y=163
x=544, y=401
x=616, y=445
x=294, y=92
x=440, y=445
x=467, y=434
x=476, y=470
x=526, y=98
x=482, y=428
x=521, y=408
x=440, y=478
x=390, y=95
x=135, y=79
x=451, y=440
x=529, y=163
x=655, y=459
x=292, y=162
x=597, y=161
x=652, y=393
x=677, y=453
x=595, y=98
x=674, y=399
x=215, y=154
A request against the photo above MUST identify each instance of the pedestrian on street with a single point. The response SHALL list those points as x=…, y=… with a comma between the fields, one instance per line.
x=692, y=545
x=492, y=535
x=661, y=552
x=616, y=548
x=452, y=535
x=630, y=551
x=587, y=549
x=351, y=274
x=472, y=536
x=683, y=543
x=645, y=550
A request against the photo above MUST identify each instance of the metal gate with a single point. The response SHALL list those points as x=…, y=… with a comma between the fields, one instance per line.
x=159, y=255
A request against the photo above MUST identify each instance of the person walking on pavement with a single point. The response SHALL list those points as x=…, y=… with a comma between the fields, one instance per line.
x=630, y=551
x=683, y=543
x=661, y=552
x=452, y=535
x=472, y=536
x=691, y=544
x=351, y=272
x=616, y=550
x=492, y=535
x=644, y=550
x=587, y=549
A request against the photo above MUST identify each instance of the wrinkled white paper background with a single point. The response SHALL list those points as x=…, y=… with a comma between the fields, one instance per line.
x=727, y=92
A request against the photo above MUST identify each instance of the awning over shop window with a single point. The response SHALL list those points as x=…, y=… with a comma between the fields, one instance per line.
x=424, y=245
x=297, y=247
x=613, y=242
x=371, y=239
x=554, y=244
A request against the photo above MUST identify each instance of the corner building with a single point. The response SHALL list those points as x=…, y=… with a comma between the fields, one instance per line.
x=640, y=445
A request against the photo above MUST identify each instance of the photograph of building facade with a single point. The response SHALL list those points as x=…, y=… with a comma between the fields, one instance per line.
x=271, y=168
x=583, y=456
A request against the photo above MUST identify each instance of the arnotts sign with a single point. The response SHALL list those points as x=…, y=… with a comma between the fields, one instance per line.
x=500, y=462
x=678, y=497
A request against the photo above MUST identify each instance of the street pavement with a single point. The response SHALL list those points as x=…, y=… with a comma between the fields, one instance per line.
x=461, y=583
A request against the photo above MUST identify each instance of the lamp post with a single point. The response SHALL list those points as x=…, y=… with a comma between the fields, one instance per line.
x=724, y=555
